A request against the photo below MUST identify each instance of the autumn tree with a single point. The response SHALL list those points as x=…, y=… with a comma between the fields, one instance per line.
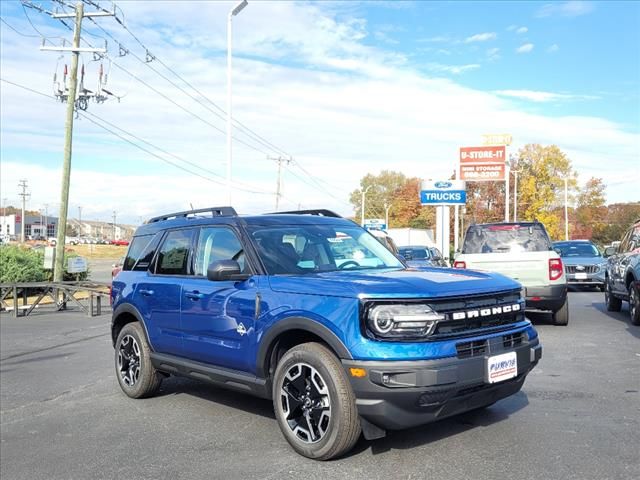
x=542, y=171
x=590, y=210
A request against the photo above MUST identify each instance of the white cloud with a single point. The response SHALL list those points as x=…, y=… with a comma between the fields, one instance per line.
x=553, y=48
x=540, y=96
x=493, y=53
x=436, y=39
x=481, y=37
x=453, y=69
x=566, y=9
x=526, y=48
x=522, y=30
x=303, y=79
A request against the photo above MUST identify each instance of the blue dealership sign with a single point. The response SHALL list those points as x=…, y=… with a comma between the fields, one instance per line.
x=444, y=192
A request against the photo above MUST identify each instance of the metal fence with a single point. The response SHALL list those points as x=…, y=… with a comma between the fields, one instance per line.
x=23, y=298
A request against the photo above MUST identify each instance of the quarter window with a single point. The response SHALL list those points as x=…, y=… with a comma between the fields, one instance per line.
x=217, y=243
x=173, y=258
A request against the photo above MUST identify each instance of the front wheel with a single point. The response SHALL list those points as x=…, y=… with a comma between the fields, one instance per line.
x=314, y=403
x=634, y=304
x=561, y=317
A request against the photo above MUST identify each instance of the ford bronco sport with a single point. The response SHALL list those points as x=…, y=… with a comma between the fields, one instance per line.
x=309, y=310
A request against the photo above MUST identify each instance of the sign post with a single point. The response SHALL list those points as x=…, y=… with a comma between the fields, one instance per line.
x=375, y=224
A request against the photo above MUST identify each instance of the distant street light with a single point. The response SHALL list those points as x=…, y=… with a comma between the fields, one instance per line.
x=235, y=11
x=364, y=193
x=566, y=211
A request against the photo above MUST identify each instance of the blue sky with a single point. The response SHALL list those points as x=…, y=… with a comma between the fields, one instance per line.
x=347, y=88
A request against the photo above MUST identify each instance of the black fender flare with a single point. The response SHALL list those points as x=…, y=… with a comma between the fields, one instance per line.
x=130, y=309
x=296, y=323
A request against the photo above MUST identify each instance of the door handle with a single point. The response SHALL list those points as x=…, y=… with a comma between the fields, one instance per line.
x=194, y=295
x=146, y=293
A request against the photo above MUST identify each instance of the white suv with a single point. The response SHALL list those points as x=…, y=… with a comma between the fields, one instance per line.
x=522, y=251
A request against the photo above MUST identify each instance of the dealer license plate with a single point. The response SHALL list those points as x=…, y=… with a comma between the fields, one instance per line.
x=581, y=276
x=502, y=367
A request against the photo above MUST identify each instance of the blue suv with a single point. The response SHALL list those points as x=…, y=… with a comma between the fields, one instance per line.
x=311, y=311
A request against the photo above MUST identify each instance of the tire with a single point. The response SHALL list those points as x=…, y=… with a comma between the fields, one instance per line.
x=561, y=316
x=634, y=304
x=613, y=304
x=134, y=371
x=314, y=403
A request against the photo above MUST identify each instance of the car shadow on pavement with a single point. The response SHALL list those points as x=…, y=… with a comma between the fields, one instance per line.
x=434, y=432
x=622, y=316
x=256, y=406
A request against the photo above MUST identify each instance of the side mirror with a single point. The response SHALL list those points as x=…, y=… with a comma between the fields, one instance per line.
x=225, y=270
x=609, y=251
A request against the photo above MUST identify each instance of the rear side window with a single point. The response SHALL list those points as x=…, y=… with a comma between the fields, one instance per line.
x=173, y=257
x=136, y=248
x=414, y=253
x=506, y=239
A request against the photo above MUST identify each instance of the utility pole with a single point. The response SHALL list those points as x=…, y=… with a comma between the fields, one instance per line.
x=515, y=196
x=279, y=184
x=46, y=220
x=362, y=204
x=566, y=211
x=23, y=184
x=75, y=50
x=114, y=224
x=387, y=207
x=79, y=221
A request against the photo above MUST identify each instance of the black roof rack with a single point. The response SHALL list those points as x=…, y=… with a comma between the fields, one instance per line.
x=215, y=212
x=319, y=212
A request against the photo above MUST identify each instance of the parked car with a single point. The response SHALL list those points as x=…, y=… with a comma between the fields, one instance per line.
x=116, y=268
x=120, y=242
x=584, y=265
x=522, y=251
x=314, y=313
x=422, y=256
x=623, y=274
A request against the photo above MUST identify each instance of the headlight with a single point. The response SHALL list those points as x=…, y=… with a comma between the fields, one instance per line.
x=402, y=321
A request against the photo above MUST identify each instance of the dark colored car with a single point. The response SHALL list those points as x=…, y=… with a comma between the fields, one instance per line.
x=623, y=274
x=422, y=256
x=310, y=310
x=584, y=265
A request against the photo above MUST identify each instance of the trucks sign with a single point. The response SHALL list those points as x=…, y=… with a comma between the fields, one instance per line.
x=444, y=192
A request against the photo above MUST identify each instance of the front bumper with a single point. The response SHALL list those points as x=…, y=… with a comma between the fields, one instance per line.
x=581, y=278
x=547, y=297
x=397, y=395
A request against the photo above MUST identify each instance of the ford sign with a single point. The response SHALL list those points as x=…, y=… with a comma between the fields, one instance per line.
x=442, y=184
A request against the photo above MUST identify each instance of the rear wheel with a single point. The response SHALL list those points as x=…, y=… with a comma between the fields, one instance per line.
x=613, y=304
x=561, y=317
x=314, y=403
x=634, y=304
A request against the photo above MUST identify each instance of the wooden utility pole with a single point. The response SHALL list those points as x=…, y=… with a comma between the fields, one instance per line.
x=279, y=184
x=23, y=185
x=58, y=271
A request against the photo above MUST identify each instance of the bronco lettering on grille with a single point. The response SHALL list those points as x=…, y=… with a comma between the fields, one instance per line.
x=485, y=312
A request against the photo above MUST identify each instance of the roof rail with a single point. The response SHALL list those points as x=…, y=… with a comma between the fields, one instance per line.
x=215, y=212
x=321, y=212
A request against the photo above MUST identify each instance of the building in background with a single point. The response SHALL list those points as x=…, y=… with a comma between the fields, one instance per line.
x=36, y=226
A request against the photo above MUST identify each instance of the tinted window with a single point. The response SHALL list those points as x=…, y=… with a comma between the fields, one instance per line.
x=217, y=243
x=577, y=249
x=506, y=238
x=147, y=253
x=173, y=258
x=435, y=253
x=136, y=248
x=412, y=253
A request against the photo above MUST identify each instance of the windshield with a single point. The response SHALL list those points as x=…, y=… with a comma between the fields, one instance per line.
x=577, y=249
x=506, y=238
x=413, y=253
x=300, y=249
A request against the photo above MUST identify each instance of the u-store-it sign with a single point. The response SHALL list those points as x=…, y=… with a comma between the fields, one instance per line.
x=488, y=154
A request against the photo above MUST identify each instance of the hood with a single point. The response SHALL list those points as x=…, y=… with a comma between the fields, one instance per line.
x=583, y=260
x=409, y=283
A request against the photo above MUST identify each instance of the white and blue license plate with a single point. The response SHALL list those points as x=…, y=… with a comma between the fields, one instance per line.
x=502, y=367
x=581, y=276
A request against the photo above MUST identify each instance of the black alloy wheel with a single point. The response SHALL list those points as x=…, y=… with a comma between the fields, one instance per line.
x=306, y=402
x=129, y=360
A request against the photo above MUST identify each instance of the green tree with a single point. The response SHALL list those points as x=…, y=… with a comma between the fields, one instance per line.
x=380, y=190
x=590, y=209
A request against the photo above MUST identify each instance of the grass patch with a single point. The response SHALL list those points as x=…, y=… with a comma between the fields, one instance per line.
x=98, y=252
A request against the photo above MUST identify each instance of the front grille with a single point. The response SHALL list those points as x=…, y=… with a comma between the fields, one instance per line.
x=583, y=269
x=471, y=349
x=512, y=340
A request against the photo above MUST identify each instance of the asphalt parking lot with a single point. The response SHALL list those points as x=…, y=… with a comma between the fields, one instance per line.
x=63, y=415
